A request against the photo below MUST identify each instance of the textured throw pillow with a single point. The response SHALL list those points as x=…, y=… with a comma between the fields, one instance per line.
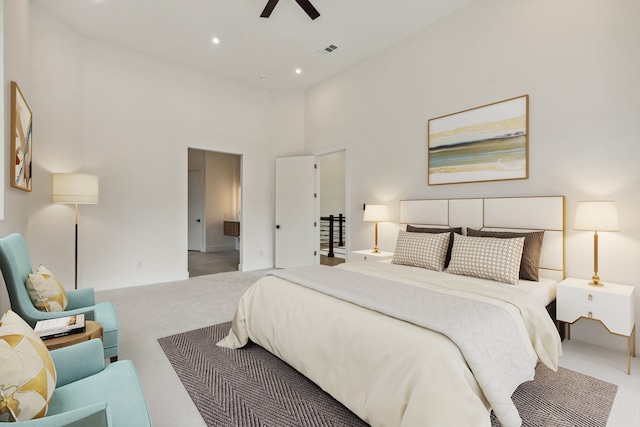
x=412, y=229
x=487, y=257
x=421, y=250
x=46, y=292
x=27, y=374
x=530, y=252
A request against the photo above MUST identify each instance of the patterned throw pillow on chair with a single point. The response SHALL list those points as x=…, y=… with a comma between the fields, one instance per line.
x=26, y=369
x=46, y=292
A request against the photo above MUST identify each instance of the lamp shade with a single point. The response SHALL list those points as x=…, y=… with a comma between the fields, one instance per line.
x=75, y=188
x=596, y=216
x=376, y=213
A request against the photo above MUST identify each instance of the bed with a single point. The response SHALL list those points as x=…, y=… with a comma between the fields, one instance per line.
x=401, y=344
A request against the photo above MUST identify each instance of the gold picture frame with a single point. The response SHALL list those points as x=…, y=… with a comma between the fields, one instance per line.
x=21, y=140
x=487, y=143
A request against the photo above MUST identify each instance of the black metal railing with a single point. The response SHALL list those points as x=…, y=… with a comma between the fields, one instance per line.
x=332, y=233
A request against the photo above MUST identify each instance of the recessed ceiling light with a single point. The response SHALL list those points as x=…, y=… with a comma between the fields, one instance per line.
x=298, y=71
x=215, y=40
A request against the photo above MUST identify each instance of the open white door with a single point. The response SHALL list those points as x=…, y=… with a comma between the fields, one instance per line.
x=296, y=212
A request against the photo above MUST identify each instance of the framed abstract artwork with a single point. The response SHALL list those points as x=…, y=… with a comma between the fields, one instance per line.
x=487, y=143
x=21, y=140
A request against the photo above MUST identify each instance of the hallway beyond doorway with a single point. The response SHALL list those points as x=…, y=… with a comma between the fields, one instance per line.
x=201, y=263
x=331, y=261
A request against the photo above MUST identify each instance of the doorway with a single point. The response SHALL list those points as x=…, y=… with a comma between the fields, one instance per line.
x=333, y=219
x=214, y=202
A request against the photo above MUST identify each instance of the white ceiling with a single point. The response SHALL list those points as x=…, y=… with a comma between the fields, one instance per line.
x=257, y=51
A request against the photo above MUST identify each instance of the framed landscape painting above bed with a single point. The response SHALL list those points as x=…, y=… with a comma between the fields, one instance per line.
x=487, y=143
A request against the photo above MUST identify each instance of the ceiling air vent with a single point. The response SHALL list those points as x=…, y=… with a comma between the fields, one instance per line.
x=327, y=50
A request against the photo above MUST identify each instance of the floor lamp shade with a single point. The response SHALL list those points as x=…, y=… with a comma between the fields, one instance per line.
x=75, y=188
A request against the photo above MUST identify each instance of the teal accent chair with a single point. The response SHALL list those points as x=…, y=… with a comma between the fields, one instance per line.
x=15, y=264
x=90, y=394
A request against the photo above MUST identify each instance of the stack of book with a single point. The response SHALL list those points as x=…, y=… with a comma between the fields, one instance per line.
x=53, y=328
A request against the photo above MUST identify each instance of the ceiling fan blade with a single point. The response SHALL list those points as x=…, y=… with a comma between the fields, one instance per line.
x=269, y=8
x=308, y=7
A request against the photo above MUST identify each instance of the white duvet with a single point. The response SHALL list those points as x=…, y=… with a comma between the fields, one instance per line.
x=388, y=372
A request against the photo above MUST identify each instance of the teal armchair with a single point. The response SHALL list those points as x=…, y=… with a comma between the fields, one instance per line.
x=15, y=264
x=90, y=394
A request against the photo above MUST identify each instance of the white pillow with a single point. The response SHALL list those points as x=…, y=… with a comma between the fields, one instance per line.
x=26, y=369
x=487, y=257
x=424, y=250
x=46, y=292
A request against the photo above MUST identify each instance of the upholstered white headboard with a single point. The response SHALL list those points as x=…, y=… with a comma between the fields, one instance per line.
x=499, y=214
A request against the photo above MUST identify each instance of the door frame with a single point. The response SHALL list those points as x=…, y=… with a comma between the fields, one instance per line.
x=347, y=192
x=204, y=198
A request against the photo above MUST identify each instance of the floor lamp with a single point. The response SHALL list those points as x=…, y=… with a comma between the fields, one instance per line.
x=76, y=189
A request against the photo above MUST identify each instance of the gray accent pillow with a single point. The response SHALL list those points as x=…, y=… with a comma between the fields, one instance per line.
x=530, y=253
x=412, y=229
x=421, y=250
x=487, y=258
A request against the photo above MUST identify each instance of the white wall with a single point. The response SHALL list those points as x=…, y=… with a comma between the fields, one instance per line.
x=288, y=123
x=130, y=119
x=16, y=68
x=3, y=126
x=577, y=59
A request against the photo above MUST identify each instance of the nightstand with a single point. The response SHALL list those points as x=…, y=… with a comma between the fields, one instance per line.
x=369, y=255
x=612, y=305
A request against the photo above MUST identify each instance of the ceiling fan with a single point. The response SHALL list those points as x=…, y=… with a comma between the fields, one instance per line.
x=304, y=4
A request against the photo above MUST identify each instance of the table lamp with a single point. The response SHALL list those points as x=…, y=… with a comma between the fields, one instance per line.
x=376, y=213
x=596, y=216
x=78, y=189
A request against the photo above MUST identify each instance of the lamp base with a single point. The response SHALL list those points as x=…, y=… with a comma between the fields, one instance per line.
x=595, y=281
x=376, y=250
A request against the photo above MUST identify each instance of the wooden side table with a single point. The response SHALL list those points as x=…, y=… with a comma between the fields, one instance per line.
x=92, y=330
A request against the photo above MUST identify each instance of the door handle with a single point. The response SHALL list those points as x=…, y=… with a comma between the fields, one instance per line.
x=277, y=226
x=198, y=220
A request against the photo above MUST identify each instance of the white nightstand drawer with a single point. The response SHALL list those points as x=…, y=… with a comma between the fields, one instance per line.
x=594, y=299
x=616, y=322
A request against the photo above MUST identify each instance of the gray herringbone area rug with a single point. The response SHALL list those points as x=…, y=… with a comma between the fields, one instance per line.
x=251, y=387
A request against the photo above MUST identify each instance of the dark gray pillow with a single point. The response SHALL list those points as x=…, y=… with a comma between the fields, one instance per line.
x=530, y=253
x=412, y=229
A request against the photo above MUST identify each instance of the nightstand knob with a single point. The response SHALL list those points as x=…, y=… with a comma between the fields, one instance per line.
x=590, y=315
x=590, y=297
